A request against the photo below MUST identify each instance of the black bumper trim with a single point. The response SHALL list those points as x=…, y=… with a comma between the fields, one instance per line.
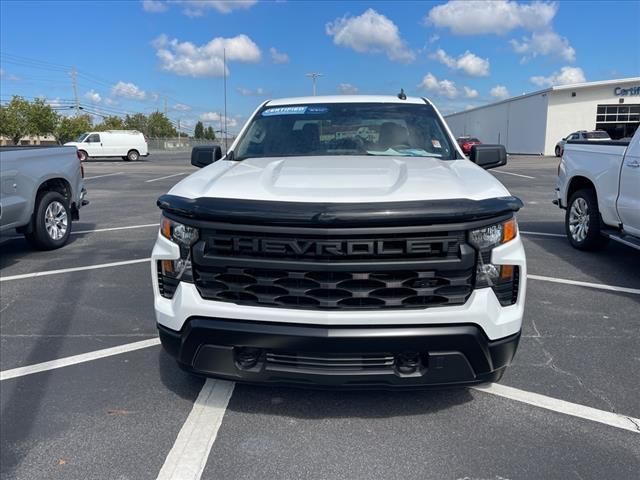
x=450, y=354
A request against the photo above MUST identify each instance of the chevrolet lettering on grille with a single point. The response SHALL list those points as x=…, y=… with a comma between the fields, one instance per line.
x=225, y=245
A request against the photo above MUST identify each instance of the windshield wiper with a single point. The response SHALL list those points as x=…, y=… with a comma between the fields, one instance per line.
x=403, y=152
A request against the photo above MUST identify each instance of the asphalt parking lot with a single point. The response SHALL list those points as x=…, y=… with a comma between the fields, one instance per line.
x=570, y=409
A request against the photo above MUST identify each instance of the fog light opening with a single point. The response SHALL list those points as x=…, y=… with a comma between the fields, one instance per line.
x=247, y=358
x=407, y=363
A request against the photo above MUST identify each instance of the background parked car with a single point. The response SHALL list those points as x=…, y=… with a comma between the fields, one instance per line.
x=466, y=143
x=594, y=135
x=128, y=144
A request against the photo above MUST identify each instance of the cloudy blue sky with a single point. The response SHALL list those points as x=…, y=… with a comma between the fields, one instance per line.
x=136, y=55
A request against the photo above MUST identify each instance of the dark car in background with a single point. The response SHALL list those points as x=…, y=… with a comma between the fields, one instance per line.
x=595, y=136
x=466, y=143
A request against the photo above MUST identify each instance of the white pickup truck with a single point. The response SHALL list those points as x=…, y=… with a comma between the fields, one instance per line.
x=599, y=186
x=342, y=241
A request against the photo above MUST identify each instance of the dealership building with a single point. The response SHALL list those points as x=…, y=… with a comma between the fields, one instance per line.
x=533, y=123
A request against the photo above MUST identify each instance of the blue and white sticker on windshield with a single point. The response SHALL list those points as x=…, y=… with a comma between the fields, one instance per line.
x=297, y=110
x=284, y=111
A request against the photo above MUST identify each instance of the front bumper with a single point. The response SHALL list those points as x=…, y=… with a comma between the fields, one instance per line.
x=356, y=357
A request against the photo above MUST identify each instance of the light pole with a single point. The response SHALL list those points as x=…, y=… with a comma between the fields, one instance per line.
x=314, y=76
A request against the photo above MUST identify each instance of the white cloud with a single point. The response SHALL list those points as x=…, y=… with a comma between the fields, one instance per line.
x=109, y=101
x=470, y=92
x=154, y=6
x=93, y=96
x=215, y=118
x=278, y=57
x=54, y=102
x=500, y=92
x=476, y=17
x=7, y=76
x=370, y=32
x=468, y=62
x=443, y=88
x=434, y=38
x=128, y=90
x=185, y=58
x=566, y=76
x=181, y=107
x=544, y=43
x=197, y=8
x=247, y=92
x=347, y=89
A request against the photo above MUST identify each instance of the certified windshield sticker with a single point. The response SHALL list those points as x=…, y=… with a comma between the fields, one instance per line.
x=284, y=111
x=436, y=143
x=317, y=110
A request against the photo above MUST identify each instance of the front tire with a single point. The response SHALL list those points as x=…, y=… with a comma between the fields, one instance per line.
x=133, y=155
x=558, y=151
x=582, y=221
x=51, y=222
x=82, y=155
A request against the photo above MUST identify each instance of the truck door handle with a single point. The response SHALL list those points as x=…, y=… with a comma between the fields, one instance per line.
x=633, y=164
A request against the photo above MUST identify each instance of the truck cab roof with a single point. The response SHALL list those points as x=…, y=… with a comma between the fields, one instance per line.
x=345, y=99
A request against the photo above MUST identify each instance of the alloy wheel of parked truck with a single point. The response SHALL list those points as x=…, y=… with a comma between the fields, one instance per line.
x=342, y=241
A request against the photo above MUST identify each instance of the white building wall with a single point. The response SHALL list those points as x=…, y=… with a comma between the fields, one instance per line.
x=519, y=124
x=568, y=114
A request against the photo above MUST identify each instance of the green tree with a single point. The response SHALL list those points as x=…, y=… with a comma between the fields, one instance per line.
x=159, y=125
x=70, y=127
x=20, y=118
x=209, y=133
x=199, y=130
x=110, y=123
x=138, y=122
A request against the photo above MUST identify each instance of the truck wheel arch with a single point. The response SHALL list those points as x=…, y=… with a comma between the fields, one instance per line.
x=57, y=184
x=579, y=183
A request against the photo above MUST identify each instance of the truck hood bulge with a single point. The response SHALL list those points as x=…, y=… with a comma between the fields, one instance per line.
x=341, y=179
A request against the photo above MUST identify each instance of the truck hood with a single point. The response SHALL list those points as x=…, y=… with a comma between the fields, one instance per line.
x=341, y=179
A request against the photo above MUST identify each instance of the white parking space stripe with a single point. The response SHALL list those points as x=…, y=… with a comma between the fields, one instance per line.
x=75, y=359
x=188, y=456
x=544, y=234
x=514, y=174
x=581, y=411
x=598, y=286
x=113, y=229
x=105, y=175
x=75, y=269
x=168, y=176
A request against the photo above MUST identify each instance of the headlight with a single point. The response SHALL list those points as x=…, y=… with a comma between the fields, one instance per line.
x=489, y=237
x=183, y=235
x=171, y=272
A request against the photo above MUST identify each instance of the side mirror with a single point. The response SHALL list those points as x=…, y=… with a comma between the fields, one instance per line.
x=488, y=156
x=203, y=155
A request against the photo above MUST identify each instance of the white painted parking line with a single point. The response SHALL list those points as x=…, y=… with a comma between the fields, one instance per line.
x=168, y=176
x=544, y=234
x=75, y=359
x=514, y=174
x=598, y=286
x=549, y=403
x=113, y=229
x=105, y=175
x=188, y=456
x=74, y=269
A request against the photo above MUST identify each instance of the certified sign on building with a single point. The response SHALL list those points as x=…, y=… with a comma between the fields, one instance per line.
x=533, y=123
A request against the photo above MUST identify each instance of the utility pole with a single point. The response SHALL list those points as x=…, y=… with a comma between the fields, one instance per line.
x=224, y=71
x=74, y=82
x=178, y=131
x=314, y=76
x=165, y=106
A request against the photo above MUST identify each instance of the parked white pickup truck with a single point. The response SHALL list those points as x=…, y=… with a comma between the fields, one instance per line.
x=599, y=186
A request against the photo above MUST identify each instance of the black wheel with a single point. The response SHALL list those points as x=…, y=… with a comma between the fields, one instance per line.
x=82, y=155
x=558, y=151
x=133, y=155
x=51, y=222
x=582, y=221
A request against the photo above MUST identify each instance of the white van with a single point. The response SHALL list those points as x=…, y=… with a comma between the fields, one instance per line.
x=128, y=144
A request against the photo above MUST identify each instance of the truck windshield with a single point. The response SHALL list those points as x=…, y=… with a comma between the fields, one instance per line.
x=346, y=129
x=81, y=137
